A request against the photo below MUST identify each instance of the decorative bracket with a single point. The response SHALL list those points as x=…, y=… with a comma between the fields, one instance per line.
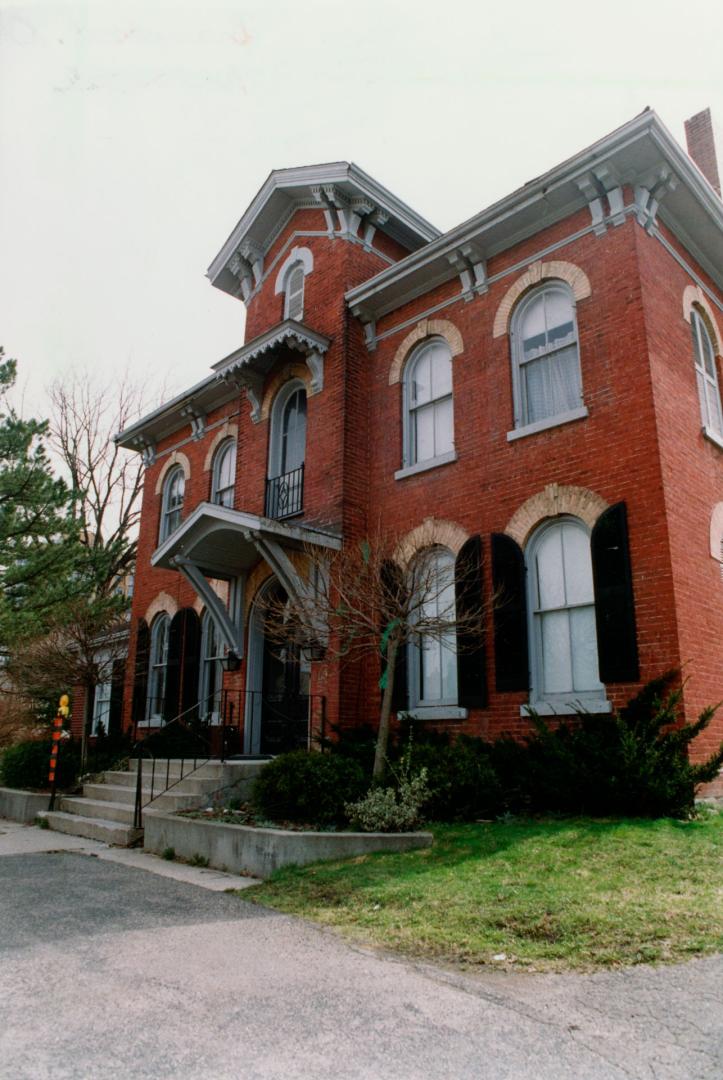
x=198, y=421
x=230, y=632
x=604, y=196
x=648, y=196
x=472, y=271
x=147, y=449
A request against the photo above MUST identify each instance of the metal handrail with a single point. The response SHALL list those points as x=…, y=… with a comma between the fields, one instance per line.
x=141, y=747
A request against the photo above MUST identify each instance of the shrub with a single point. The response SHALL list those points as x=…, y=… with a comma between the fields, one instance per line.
x=462, y=783
x=26, y=764
x=391, y=809
x=305, y=786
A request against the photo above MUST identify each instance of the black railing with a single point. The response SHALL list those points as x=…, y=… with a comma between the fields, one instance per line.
x=285, y=494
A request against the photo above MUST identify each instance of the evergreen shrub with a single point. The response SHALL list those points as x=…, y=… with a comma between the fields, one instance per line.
x=308, y=787
x=26, y=764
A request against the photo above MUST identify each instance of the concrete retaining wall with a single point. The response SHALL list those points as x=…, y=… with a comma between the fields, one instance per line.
x=22, y=806
x=242, y=849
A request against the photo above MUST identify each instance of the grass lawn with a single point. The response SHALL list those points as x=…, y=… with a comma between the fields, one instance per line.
x=533, y=894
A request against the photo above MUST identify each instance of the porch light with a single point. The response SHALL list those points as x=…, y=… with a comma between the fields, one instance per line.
x=231, y=662
x=314, y=651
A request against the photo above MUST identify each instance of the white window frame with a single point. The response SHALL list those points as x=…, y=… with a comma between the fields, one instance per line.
x=277, y=422
x=418, y=704
x=158, y=667
x=172, y=504
x=711, y=414
x=211, y=666
x=411, y=463
x=523, y=423
x=592, y=699
x=102, y=699
x=223, y=496
x=294, y=298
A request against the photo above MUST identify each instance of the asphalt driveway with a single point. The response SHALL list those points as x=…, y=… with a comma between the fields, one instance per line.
x=108, y=970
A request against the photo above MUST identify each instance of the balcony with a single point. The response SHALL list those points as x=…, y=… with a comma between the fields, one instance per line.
x=285, y=494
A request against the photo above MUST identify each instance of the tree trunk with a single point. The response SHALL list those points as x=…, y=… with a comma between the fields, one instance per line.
x=380, y=754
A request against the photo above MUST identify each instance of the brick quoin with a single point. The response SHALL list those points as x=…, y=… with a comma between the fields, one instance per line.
x=641, y=442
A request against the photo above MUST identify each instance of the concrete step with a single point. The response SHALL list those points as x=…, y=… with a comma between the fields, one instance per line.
x=109, y=832
x=189, y=785
x=204, y=770
x=95, y=808
x=175, y=799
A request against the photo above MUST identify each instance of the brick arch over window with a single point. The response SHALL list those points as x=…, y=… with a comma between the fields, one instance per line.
x=228, y=431
x=295, y=371
x=162, y=602
x=576, y=278
x=297, y=255
x=693, y=296
x=433, y=532
x=426, y=328
x=556, y=499
x=716, y=534
x=176, y=458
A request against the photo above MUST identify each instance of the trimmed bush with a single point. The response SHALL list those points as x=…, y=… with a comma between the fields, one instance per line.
x=463, y=785
x=25, y=765
x=308, y=787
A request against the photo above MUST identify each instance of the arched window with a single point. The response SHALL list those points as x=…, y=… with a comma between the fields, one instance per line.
x=706, y=374
x=158, y=667
x=545, y=356
x=433, y=655
x=428, y=414
x=173, y=490
x=212, y=655
x=563, y=638
x=224, y=474
x=287, y=451
x=294, y=293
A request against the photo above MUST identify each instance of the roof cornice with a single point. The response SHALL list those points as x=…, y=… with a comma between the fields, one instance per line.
x=633, y=154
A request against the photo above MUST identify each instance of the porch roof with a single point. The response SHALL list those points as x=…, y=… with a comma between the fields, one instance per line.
x=224, y=543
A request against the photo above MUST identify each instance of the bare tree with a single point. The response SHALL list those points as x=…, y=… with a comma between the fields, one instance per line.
x=106, y=481
x=372, y=598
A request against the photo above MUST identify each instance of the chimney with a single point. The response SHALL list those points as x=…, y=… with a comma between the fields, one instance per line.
x=701, y=146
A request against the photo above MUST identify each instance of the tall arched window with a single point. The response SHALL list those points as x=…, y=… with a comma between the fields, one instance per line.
x=158, y=666
x=545, y=355
x=287, y=452
x=173, y=490
x=706, y=374
x=212, y=655
x=563, y=655
x=428, y=413
x=433, y=655
x=294, y=293
x=224, y=474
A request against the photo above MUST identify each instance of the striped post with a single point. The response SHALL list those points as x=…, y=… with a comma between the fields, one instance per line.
x=60, y=716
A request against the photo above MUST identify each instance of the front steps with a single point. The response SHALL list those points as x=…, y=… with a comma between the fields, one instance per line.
x=106, y=809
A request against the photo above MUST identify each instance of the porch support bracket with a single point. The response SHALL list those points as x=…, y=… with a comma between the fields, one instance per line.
x=231, y=634
x=297, y=589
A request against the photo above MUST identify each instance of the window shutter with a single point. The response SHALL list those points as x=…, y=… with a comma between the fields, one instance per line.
x=140, y=676
x=90, y=709
x=469, y=586
x=191, y=660
x=512, y=670
x=394, y=586
x=617, y=644
x=115, y=714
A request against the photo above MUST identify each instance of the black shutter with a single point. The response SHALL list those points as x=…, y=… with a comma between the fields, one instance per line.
x=471, y=674
x=512, y=671
x=191, y=661
x=172, y=697
x=394, y=586
x=617, y=644
x=90, y=706
x=140, y=675
x=115, y=713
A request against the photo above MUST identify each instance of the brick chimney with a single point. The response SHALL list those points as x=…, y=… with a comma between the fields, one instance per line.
x=701, y=146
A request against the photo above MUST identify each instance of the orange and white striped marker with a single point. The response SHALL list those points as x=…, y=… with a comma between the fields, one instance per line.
x=60, y=716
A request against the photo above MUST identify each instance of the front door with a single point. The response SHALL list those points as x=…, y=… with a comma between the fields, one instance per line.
x=284, y=697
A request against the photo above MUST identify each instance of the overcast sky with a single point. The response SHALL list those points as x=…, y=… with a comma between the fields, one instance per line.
x=134, y=135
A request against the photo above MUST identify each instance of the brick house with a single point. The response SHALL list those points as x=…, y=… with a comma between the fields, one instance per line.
x=537, y=387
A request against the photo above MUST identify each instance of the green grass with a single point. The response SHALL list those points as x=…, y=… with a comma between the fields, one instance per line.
x=548, y=894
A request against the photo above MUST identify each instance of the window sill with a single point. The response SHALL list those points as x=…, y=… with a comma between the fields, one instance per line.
x=711, y=436
x=154, y=722
x=423, y=466
x=436, y=712
x=548, y=422
x=567, y=708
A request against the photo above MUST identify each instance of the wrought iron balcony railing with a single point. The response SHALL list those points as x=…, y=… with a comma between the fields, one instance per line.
x=285, y=494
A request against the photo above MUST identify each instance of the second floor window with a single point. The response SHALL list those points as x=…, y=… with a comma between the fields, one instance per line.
x=287, y=452
x=545, y=356
x=294, y=293
x=224, y=474
x=706, y=375
x=429, y=421
x=172, y=509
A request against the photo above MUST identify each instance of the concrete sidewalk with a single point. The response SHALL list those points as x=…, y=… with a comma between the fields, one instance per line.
x=18, y=839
